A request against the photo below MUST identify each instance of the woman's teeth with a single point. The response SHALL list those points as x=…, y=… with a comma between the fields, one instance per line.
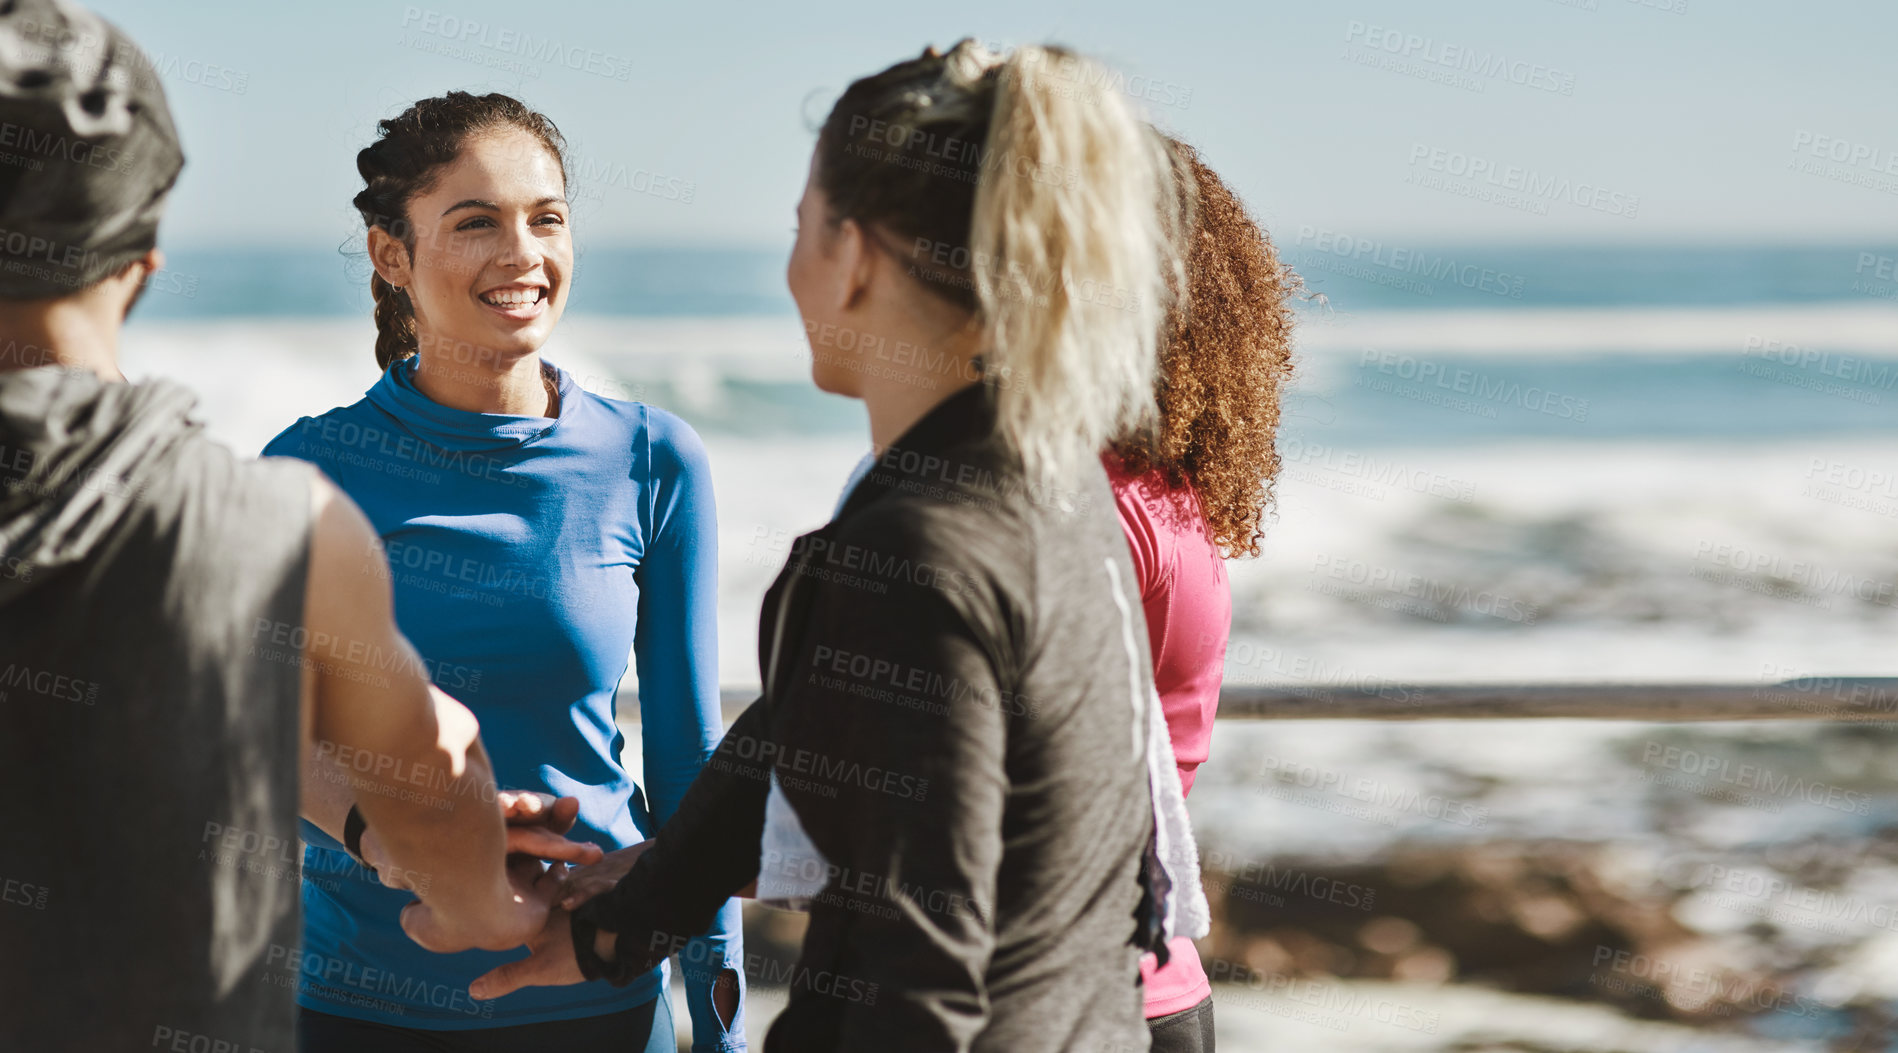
x=512, y=297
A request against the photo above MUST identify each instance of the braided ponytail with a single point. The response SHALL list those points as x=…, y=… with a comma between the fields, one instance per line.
x=395, y=323
x=409, y=150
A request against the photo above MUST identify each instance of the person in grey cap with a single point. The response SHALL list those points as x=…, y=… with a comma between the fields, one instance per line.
x=178, y=628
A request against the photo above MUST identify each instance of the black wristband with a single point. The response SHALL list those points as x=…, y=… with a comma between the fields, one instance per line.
x=353, y=827
x=592, y=966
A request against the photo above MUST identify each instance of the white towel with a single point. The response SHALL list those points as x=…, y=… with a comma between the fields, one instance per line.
x=1187, y=913
x=791, y=871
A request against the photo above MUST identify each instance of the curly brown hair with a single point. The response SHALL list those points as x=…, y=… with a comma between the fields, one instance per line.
x=1224, y=363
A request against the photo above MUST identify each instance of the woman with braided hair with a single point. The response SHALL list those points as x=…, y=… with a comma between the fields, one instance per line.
x=536, y=533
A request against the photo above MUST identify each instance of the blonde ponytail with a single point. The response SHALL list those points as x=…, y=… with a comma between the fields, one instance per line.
x=1076, y=237
x=1028, y=192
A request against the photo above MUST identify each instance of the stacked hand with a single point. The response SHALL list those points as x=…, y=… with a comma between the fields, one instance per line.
x=550, y=960
x=538, y=855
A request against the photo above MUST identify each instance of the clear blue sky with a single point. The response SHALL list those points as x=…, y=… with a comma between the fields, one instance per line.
x=1693, y=113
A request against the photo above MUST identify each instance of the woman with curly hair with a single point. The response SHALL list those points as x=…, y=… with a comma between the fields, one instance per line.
x=1192, y=491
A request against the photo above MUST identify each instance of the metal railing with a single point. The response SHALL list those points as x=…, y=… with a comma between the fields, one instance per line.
x=1809, y=698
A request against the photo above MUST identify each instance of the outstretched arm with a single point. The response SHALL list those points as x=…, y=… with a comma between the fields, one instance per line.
x=412, y=756
x=679, y=882
x=535, y=821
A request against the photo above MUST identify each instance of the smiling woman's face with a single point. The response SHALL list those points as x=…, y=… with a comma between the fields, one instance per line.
x=488, y=277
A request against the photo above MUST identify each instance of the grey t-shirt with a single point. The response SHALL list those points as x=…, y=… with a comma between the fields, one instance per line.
x=151, y=607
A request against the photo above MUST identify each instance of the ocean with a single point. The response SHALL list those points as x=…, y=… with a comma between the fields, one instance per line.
x=1501, y=463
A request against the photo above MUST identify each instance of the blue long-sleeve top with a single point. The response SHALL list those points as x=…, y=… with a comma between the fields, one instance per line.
x=527, y=556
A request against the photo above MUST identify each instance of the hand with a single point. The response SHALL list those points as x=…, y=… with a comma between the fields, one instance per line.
x=535, y=822
x=587, y=882
x=549, y=963
x=532, y=807
x=525, y=910
x=550, y=960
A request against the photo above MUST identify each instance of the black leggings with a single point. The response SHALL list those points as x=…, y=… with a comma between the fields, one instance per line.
x=638, y=1030
x=1187, y=1031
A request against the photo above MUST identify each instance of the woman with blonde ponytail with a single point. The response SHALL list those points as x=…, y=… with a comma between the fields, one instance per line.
x=958, y=717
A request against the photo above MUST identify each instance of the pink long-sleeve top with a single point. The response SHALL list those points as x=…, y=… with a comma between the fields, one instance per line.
x=1188, y=604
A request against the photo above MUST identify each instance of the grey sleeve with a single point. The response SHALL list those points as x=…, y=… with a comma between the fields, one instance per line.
x=704, y=854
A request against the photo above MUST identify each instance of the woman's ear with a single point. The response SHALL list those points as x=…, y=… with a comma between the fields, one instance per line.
x=389, y=256
x=854, y=264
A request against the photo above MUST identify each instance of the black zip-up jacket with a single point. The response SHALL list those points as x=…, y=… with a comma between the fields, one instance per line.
x=956, y=677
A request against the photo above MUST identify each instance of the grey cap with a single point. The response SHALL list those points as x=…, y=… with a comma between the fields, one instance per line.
x=87, y=149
